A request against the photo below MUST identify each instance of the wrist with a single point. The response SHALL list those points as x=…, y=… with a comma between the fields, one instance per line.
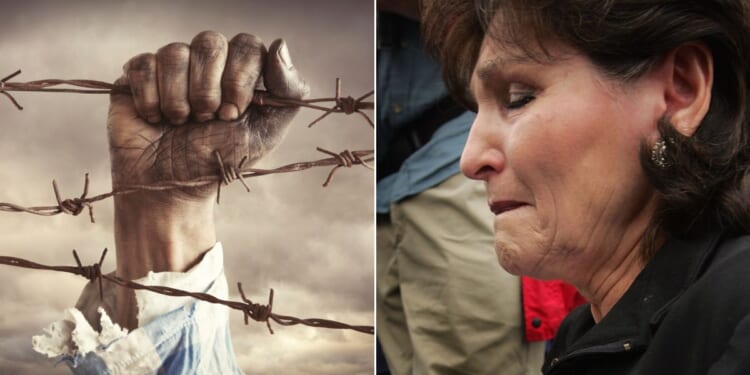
x=158, y=232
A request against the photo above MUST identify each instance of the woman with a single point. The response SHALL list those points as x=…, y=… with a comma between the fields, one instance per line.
x=612, y=137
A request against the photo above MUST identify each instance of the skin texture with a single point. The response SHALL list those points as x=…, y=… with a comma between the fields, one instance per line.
x=557, y=144
x=187, y=103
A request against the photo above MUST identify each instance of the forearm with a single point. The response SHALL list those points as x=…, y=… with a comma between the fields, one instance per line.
x=151, y=235
x=154, y=236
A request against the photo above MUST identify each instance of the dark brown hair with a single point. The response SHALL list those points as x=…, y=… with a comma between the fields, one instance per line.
x=703, y=186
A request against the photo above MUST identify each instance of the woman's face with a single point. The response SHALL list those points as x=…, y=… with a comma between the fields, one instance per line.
x=557, y=144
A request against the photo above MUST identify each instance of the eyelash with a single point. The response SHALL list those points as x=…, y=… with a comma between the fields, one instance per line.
x=516, y=104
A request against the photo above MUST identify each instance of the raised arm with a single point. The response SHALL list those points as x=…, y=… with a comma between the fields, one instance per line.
x=188, y=102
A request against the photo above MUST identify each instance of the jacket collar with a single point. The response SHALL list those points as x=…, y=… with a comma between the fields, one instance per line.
x=639, y=312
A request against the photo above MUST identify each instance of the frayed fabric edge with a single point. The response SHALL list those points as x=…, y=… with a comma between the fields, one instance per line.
x=73, y=335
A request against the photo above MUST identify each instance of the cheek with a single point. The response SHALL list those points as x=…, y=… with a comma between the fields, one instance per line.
x=573, y=159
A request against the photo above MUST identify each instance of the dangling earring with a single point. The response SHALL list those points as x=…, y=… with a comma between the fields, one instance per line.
x=659, y=153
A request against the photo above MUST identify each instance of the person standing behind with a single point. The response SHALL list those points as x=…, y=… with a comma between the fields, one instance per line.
x=444, y=305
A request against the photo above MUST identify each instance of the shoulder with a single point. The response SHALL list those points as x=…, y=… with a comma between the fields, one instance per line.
x=710, y=318
x=731, y=250
x=726, y=271
x=721, y=289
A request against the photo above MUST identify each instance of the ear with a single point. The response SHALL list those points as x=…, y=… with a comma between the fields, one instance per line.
x=688, y=72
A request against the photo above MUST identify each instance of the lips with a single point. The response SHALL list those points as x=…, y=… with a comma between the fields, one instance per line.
x=500, y=207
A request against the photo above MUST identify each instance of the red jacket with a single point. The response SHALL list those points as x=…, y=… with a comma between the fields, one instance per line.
x=545, y=304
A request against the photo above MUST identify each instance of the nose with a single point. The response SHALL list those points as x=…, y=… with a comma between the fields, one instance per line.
x=483, y=154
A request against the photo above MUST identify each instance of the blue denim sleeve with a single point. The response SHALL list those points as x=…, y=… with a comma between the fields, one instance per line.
x=409, y=83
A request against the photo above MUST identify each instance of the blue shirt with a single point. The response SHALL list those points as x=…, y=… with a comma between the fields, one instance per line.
x=409, y=83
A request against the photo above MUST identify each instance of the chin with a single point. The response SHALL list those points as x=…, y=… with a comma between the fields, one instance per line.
x=523, y=260
x=508, y=259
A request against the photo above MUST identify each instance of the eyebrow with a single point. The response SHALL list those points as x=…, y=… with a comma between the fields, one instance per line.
x=484, y=70
x=490, y=66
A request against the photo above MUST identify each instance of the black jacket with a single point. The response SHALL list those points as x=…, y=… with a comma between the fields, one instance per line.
x=687, y=312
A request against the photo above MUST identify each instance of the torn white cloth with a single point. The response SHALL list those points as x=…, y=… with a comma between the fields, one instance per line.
x=175, y=335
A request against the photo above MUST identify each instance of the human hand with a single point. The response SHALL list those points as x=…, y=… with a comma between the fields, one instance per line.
x=188, y=102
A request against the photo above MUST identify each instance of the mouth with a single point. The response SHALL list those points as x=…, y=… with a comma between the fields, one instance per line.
x=501, y=207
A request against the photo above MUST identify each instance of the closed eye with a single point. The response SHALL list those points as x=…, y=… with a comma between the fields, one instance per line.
x=517, y=101
x=518, y=95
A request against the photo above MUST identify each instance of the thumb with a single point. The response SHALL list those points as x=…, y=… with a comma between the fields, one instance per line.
x=280, y=77
x=268, y=125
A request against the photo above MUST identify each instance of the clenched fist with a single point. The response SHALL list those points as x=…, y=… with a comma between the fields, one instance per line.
x=190, y=101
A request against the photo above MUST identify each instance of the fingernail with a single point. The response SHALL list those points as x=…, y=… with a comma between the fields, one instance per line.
x=228, y=111
x=283, y=53
x=154, y=119
x=202, y=117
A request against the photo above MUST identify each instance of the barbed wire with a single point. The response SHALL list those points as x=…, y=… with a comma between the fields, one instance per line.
x=228, y=174
x=346, y=105
x=251, y=310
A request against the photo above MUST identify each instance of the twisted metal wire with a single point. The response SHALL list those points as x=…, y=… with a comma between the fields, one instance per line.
x=74, y=206
x=250, y=310
x=228, y=174
x=347, y=105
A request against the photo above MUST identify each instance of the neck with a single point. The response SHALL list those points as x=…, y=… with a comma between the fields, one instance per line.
x=608, y=284
x=614, y=266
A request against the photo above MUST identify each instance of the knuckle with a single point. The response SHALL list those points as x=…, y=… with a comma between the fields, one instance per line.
x=143, y=62
x=248, y=39
x=205, y=101
x=209, y=35
x=208, y=43
x=173, y=52
x=175, y=109
x=148, y=101
x=141, y=67
x=237, y=85
x=246, y=44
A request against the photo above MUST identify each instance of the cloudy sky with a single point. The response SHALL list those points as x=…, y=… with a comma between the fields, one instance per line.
x=313, y=245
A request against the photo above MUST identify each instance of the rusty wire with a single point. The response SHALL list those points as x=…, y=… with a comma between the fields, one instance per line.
x=347, y=105
x=226, y=175
x=74, y=206
x=256, y=311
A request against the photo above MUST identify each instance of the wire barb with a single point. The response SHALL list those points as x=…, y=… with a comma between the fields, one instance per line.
x=345, y=159
x=74, y=206
x=228, y=174
x=92, y=272
x=347, y=105
x=4, y=92
x=256, y=311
